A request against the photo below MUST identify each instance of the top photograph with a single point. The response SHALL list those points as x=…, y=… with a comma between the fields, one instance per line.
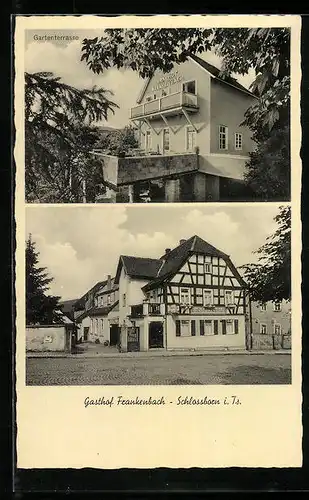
x=157, y=115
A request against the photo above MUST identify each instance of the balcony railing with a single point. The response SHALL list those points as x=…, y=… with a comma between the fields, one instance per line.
x=154, y=309
x=165, y=103
x=137, y=311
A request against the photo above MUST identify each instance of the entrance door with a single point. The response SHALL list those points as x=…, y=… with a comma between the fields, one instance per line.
x=155, y=334
x=114, y=334
x=86, y=332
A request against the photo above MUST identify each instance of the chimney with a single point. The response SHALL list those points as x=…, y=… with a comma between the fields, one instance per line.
x=167, y=250
x=182, y=241
x=109, y=283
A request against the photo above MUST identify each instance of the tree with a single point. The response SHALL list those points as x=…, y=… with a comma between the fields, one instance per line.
x=59, y=137
x=40, y=307
x=119, y=142
x=270, y=278
x=266, y=50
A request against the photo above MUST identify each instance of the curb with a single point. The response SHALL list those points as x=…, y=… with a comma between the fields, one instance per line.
x=140, y=355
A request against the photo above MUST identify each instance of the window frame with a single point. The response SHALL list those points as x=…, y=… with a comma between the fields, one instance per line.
x=275, y=307
x=211, y=296
x=263, y=307
x=237, y=136
x=163, y=135
x=280, y=328
x=262, y=325
x=189, y=295
x=226, y=292
x=226, y=133
x=190, y=129
x=189, y=81
x=230, y=322
x=188, y=323
x=148, y=134
x=210, y=268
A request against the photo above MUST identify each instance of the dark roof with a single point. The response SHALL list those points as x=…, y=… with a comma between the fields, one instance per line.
x=138, y=267
x=114, y=286
x=218, y=74
x=67, y=307
x=177, y=256
x=173, y=260
x=101, y=311
x=81, y=302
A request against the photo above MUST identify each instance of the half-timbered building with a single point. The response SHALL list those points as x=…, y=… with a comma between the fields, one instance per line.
x=192, y=297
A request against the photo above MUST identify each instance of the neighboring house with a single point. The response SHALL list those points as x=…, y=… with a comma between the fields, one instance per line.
x=271, y=318
x=194, y=147
x=104, y=316
x=190, y=298
x=98, y=313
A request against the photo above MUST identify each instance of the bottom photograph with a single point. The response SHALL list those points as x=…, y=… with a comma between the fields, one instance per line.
x=158, y=295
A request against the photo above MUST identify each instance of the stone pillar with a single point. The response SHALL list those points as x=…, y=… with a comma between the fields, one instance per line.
x=172, y=190
x=212, y=188
x=144, y=344
x=199, y=187
x=131, y=193
x=123, y=339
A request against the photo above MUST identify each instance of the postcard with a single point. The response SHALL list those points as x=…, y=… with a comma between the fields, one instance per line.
x=158, y=241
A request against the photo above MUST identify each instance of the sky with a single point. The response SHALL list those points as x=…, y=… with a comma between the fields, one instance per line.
x=63, y=59
x=81, y=245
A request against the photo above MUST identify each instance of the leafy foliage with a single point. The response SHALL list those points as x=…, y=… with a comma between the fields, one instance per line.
x=118, y=142
x=59, y=137
x=40, y=307
x=145, y=50
x=270, y=278
x=267, y=172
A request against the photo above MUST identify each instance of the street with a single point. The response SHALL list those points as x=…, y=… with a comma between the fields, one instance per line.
x=178, y=370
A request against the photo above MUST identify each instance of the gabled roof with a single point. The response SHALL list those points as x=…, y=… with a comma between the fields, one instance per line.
x=212, y=70
x=98, y=311
x=216, y=73
x=138, y=267
x=174, y=259
x=104, y=290
x=179, y=254
x=81, y=302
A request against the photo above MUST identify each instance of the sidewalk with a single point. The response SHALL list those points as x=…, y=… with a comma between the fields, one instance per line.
x=152, y=354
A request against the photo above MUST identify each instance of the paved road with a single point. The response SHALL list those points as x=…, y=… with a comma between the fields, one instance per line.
x=180, y=370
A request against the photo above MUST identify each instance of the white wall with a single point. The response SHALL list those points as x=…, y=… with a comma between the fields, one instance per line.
x=134, y=295
x=236, y=341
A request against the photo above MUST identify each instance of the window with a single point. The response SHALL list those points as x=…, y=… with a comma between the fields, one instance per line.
x=263, y=328
x=148, y=140
x=223, y=137
x=185, y=296
x=108, y=300
x=263, y=307
x=230, y=330
x=166, y=139
x=277, y=306
x=238, y=141
x=185, y=328
x=190, y=139
x=124, y=300
x=277, y=329
x=102, y=325
x=208, y=298
x=229, y=298
x=207, y=268
x=189, y=87
x=208, y=327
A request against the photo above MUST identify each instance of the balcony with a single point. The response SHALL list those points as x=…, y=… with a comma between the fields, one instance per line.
x=168, y=105
x=137, y=311
x=154, y=309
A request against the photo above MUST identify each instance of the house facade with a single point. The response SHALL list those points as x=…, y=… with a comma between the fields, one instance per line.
x=99, y=319
x=271, y=318
x=192, y=297
x=193, y=146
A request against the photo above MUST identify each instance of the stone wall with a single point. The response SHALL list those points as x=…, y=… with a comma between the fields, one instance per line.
x=47, y=338
x=272, y=342
x=133, y=169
